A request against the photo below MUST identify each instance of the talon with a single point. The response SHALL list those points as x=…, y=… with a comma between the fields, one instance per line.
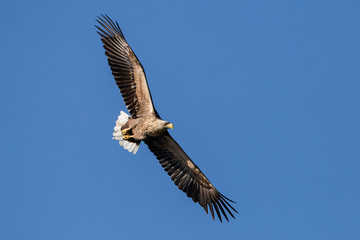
x=127, y=137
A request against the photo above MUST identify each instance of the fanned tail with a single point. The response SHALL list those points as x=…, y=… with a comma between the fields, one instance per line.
x=130, y=146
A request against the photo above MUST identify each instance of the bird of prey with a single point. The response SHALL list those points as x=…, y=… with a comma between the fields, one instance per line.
x=145, y=124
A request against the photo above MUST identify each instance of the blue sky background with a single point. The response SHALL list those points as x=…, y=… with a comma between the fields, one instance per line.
x=264, y=96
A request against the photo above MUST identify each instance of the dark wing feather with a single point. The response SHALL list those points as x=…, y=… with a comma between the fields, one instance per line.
x=188, y=177
x=126, y=69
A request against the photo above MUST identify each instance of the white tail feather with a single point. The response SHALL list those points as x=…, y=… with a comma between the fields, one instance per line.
x=130, y=146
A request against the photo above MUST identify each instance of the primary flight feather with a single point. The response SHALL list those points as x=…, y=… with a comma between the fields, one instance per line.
x=145, y=124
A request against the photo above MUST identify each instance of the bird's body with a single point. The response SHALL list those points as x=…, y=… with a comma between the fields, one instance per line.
x=145, y=124
x=145, y=127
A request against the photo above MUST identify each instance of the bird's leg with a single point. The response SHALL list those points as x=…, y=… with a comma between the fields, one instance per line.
x=127, y=137
x=125, y=131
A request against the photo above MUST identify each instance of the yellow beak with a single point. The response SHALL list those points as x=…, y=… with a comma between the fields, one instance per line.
x=169, y=125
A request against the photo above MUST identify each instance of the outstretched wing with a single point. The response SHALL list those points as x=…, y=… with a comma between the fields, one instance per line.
x=126, y=68
x=187, y=176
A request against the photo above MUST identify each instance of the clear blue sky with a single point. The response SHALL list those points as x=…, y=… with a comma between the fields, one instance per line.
x=264, y=96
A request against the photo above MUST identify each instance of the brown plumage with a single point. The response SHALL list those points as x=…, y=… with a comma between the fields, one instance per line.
x=146, y=125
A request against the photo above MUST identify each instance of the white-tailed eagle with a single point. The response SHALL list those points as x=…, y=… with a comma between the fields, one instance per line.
x=145, y=124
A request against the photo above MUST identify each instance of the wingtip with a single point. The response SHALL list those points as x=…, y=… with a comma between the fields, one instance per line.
x=219, y=207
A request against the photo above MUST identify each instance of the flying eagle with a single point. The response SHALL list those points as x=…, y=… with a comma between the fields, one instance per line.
x=145, y=124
